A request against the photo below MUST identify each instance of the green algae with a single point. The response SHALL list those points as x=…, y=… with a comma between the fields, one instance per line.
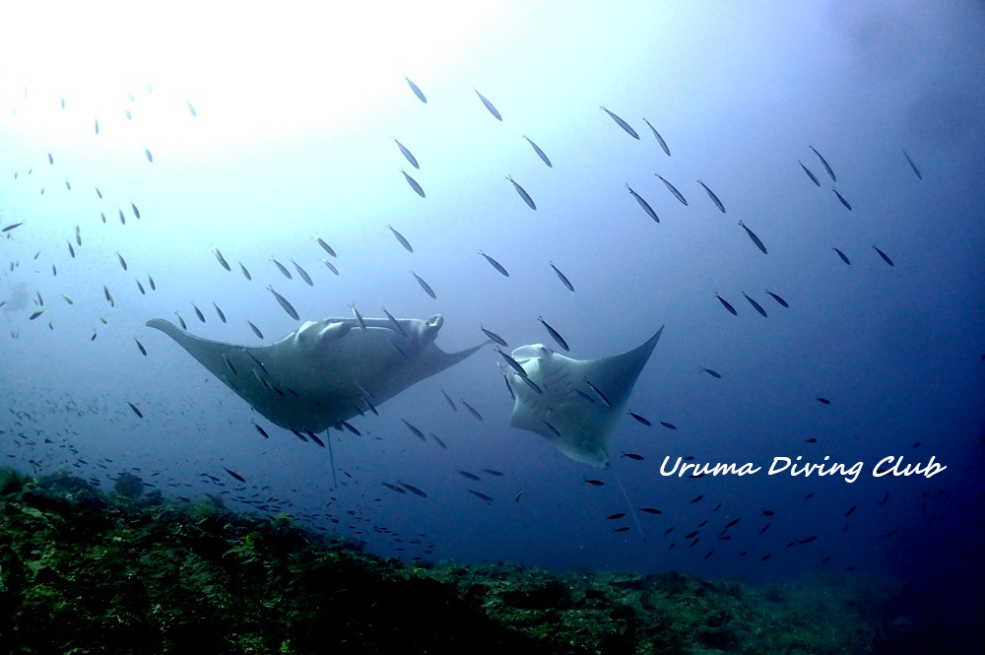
x=85, y=572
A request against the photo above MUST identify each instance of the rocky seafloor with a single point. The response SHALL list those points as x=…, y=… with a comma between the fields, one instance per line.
x=83, y=571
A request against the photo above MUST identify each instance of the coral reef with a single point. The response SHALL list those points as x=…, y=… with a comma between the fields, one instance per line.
x=85, y=572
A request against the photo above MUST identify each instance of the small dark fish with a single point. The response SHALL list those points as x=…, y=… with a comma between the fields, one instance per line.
x=479, y=494
x=842, y=199
x=513, y=363
x=598, y=392
x=557, y=433
x=495, y=264
x=283, y=269
x=622, y=529
x=554, y=334
x=416, y=90
x=424, y=285
x=246, y=273
x=851, y=510
x=100, y=194
x=509, y=387
x=495, y=337
x=403, y=241
x=136, y=212
x=649, y=510
x=222, y=260
x=540, y=153
x=140, y=346
x=641, y=419
x=229, y=364
x=451, y=403
x=765, y=557
x=236, y=476
x=633, y=456
x=330, y=266
x=303, y=273
x=595, y=483
x=884, y=256
x=824, y=163
x=327, y=248
x=811, y=440
x=414, y=429
x=418, y=189
x=263, y=433
x=696, y=499
x=109, y=296
x=727, y=305
x=488, y=105
x=913, y=166
x=768, y=512
x=71, y=250
x=807, y=540
x=778, y=299
x=714, y=198
x=351, y=428
x=616, y=516
x=714, y=374
x=844, y=258
x=755, y=305
x=314, y=437
x=809, y=173
x=523, y=193
x=823, y=401
x=562, y=277
x=414, y=490
x=498, y=474
x=519, y=495
x=673, y=189
x=198, y=312
x=36, y=314
x=255, y=329
x=621, y=123
x=394, y=487
x=732, y=523
x=222, y=317
x=669, y=426
x=123, y=219
x=660, y=139
x=135, y=410
x=359, y=317
x=396, y=325
x=755, y=239
x=181, y=321
x=466, y=474
x=471, y=409
x=407, y=154
x=643, y=203
x=12, y=227
x=284, y=304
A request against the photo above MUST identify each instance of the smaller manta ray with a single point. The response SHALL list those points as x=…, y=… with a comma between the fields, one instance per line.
x=327, y=371
x=582, y=402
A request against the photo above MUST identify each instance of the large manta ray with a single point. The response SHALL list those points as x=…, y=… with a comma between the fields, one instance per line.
x=327, y=371
x=576, y=404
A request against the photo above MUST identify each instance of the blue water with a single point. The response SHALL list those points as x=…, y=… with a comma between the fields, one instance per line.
x=739, y=95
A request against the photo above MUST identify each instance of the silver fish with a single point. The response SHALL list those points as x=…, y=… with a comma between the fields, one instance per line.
x=621, y=123
x=417, y=91
x=495, y=264
x=418, y=189
x=523, y=193
x=330, y=266
x=540, y=153
x=123, y=262
x=673, y=189
x=283, y=303
x=562, y=277
x=407, y=154
x=660, y=139
x=554, y=334
x=359, y=317
x=246, y=273
x=222, y=260
x=424, y=285
x=327, y=248
x=198, y=313
x=755, y=239
x=598, y=392
x=282, y=269
x=255, y=329
x=494, y=337
x=643, y=203
x=403, y=240
x=396, y=325
x=714, y=198
x=824, y=163
x=303, y=273
x=809, y=173
x=222, y=317
x=488, y=105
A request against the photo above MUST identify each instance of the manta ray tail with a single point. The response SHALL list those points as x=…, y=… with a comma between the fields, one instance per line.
x=632, y=510
x=331, y=459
